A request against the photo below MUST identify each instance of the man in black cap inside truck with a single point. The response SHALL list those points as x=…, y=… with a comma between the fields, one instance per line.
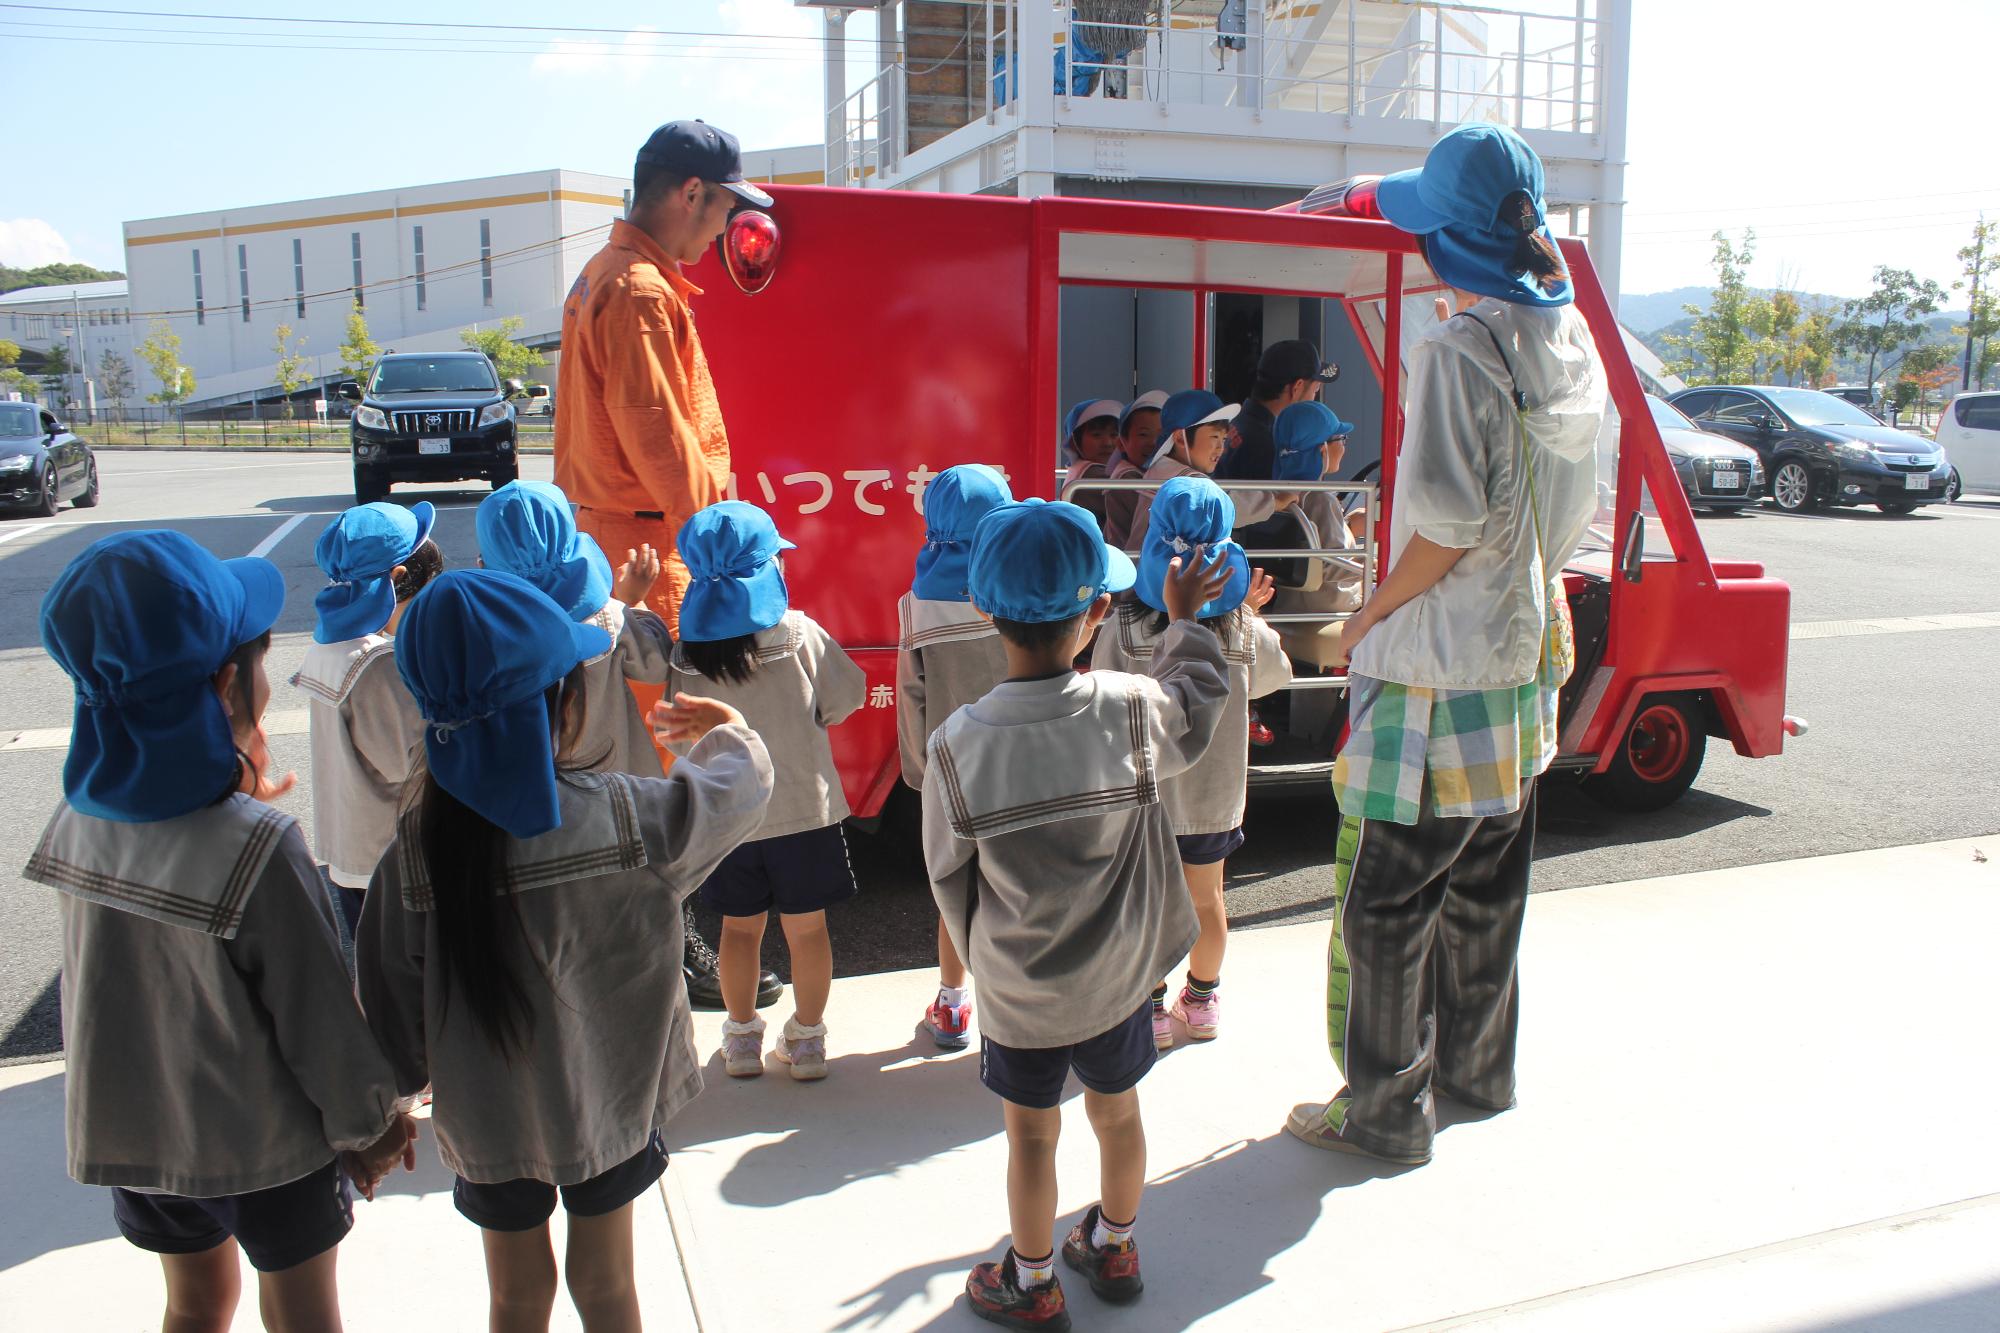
x=1288, y=372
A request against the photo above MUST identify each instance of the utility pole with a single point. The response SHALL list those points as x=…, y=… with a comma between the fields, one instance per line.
x=1972, y=310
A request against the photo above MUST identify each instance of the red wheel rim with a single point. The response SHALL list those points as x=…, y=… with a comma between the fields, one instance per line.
x=1658, y=744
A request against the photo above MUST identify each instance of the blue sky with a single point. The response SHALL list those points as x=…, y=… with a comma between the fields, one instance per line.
x=1846, y=140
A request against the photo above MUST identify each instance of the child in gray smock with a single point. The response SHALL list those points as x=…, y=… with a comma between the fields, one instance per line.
x=743, y=643
x=364, y=724
x=948, y=656
x=1052, y=861
x=221, y=1080
x=1206, y=802
x=510, y=953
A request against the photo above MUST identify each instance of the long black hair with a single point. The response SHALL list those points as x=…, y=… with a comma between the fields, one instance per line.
x=467, y=857
x=244, y=657
x=1535, y=256
x=723, y=659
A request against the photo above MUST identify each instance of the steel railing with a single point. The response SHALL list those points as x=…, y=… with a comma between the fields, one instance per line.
x=1360, y=559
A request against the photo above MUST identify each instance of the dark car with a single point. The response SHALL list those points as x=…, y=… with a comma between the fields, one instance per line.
x=432, y=416
x=41, y=463
x=1820, y=450
x=1717, y=473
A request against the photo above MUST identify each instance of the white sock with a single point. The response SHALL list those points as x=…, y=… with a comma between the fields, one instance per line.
x=732, y=1028
x=1034, y=1275
x=1103, y=1233
x=951, y=997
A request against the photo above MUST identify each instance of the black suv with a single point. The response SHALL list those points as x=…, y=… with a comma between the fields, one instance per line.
x=432, y=416
x=1822, y=450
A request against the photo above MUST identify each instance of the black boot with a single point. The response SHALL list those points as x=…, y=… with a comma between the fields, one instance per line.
x=704, y=985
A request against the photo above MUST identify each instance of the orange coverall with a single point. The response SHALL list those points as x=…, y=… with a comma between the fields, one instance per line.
x=639, y=443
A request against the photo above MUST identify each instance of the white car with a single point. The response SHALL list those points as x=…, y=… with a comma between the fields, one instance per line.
x=1969, y=433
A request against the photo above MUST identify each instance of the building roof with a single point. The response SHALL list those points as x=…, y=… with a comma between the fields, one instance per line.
x=116, y=288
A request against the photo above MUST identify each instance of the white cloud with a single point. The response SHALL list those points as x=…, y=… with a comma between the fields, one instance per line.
x=30, y=242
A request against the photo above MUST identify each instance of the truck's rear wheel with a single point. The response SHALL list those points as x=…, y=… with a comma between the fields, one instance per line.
x=1657, y=758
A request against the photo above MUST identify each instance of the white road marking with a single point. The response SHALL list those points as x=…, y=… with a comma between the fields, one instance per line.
x=270, y=543
x=1845, y=629
x=290, y=722
x=9, y=534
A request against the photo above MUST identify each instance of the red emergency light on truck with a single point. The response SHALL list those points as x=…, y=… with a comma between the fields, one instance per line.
x=864, y=340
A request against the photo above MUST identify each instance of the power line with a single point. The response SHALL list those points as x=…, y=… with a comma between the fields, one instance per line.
x=1802, y=203
x=396, y=23
x=723, y=42
x=691, y=53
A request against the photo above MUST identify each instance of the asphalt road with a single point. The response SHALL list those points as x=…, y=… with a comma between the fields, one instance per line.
x=1904, y=723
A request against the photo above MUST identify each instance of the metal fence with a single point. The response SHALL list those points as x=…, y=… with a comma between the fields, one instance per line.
x=261, y=432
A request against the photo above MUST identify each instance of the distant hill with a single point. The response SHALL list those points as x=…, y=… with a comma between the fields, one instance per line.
x=51, y=275
x=1653, y=312
x=1847, y=369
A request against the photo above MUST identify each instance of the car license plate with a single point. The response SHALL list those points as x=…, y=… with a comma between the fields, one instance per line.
x=1726, y=480
x=1917, y=481
x=433, y=446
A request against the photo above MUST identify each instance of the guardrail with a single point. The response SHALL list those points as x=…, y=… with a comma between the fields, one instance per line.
x=1361, y=559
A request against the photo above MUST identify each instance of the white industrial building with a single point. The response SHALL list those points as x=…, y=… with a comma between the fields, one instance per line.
x=424, y=263
x=85, y=319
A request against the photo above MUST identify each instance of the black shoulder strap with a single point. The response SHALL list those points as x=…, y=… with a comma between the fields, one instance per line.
x=1520, y=399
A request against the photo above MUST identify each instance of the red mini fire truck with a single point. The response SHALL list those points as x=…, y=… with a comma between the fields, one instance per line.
x=864, y=340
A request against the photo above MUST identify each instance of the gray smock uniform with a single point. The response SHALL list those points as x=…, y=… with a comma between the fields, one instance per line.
x=610, y=1055
x=213, y=1043
x=1050, y=853
x=947, y=655
x=365, y=731
x=615, y=738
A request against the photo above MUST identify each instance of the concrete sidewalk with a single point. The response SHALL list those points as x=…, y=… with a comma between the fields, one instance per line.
x=1759, y=1098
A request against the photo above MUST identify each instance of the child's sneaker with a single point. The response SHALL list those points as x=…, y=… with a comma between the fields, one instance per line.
x=743, y=1048
x=1163, y=1030
x=995, y=1296
x=1202, y=1017
x=949, y=1024
x=803, y=1048
x=1113, y=1270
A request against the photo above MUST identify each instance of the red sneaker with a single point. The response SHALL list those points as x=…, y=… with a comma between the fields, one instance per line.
x=1113, y=1270
x=994, y=1296
x=949, y=1024
x=1261, y=735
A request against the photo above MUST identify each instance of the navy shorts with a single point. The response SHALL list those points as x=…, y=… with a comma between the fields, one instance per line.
x=523, y=1205
x=793, y=872
x=1111, y=1062
x=1205, y=849
x=278, y=1228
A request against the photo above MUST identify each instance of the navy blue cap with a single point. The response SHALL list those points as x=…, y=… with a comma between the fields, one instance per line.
x=1298, y=434
x=358, y=552
x=141, y=622
x=526, y=528
x=478, y=649
x=697, y=148
x=1186, y=410
x=1191, y=512
x=1295, y=359
x=1453, y=202
x=954, y=502
x=1036, y=561
x=735, y=586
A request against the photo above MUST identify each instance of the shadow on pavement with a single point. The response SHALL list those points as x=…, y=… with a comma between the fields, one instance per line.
x=1268, y=1193
x=38, y=1031
x=1978, y=1308
x=48, y=1211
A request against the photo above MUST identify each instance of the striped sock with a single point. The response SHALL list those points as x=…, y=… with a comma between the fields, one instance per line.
x=1034, y=1272
x=1198, y=990
x=1160, y=998
x=1105, y=1233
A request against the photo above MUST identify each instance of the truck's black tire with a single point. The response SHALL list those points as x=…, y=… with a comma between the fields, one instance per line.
x=1658, y=756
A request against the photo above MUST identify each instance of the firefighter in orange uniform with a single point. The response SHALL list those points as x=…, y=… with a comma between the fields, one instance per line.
x=639, y=442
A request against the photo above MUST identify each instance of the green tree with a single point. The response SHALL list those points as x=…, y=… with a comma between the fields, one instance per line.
x=1922, y=371
x=1981, y=282
x=114, y=374
x=292, y=371
x=161, y=351
x=510, y=359
x=1721, y=347
x=55, y=372
x=1888, y=317
x=10, y=378
x=358, y=353
x=52, y=275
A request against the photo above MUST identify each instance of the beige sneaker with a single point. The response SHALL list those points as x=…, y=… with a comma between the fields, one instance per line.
x=743, y=1048
x=803, y=1048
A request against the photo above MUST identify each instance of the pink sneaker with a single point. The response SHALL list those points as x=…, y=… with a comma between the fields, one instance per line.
x=1202, y=1017
x=1163, y=1030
